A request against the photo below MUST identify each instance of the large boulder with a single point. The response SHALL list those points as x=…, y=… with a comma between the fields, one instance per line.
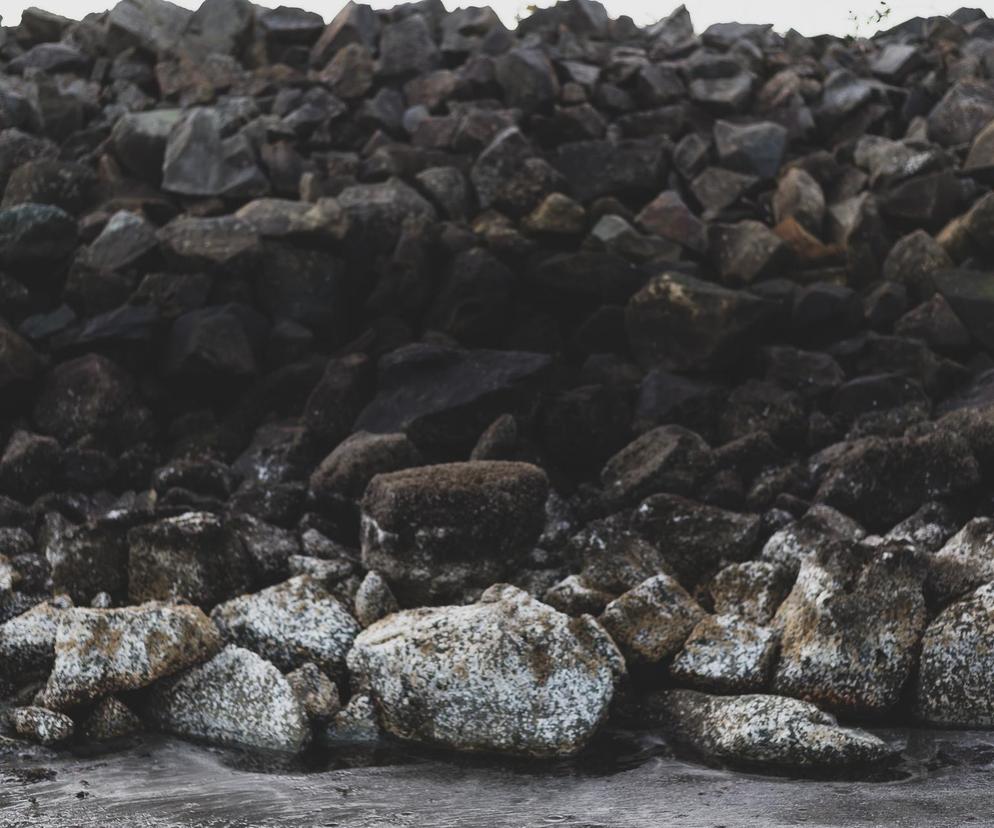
x=103, y=651
x=841, y=645
x=237, y=698
x=290, y=624
x=507, y=674
x=760, y=730
x=437, y=533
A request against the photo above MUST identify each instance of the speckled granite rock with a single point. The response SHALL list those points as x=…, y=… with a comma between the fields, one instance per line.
x=357, y=722
x=374, y=599
x=192, y=556
x=965, y=562
x=27, y=641
x=752, y=590
x=851, y=625
x=236, y=698
x=435, y=532
x=506, y=674
x=99, y=652
x=316, y=692
x=956, y=670
x=572, y=596
x=789, y=546
x=766, y=730
x=726, y=654
x=290, y=624
x=41, y=725
x=651, y=621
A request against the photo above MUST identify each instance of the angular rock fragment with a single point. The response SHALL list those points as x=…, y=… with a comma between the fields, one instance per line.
x=841, y=646
x=507, y=674
x=726, y=654
x=374, y=600
x=110, y=719
x=652, y=621
x=965, y=562
x=290, y=624
x=237, y=698
x=682, y=322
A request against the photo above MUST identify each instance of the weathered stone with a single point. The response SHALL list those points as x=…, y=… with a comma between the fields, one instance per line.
x=436, y=532
x=316, y=692
x=751, y=590
x=799, y=196
x=110, y=719
x=669, y=217
x=344, y=474
x=964, y=563
x=527, y=78
x=99, y=652
x=290, y=624
x=652, y=621
x=374, y=600
x=666, y=459
x=754, y=149
x=681, y=322
x=192, y=556
x=726, y=654
x=452, y=675
x=695, y=537
x=841, y=646
x=879, y=481
x=236, y=698
x=41, y=725
x=748, y=251
x=444, y=398
x=27, y=641
x=766, y=730
x=32, y=234
x=965, y=109
x=407, y=46
x=198, y=161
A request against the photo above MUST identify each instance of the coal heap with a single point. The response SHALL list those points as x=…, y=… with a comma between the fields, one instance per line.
x=305, y=326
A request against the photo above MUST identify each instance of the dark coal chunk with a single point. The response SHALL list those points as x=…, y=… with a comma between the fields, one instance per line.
x=443, y=398
x=35, y=233
x=680, y=322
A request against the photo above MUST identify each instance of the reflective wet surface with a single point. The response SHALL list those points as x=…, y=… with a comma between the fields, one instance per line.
x=943, y=778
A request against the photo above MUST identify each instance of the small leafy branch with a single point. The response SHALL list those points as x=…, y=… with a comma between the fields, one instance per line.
x=875, y=18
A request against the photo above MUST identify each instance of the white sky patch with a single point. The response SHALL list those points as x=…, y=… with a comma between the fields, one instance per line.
x=839, y=17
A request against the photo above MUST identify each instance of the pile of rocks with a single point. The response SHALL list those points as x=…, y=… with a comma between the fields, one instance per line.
x=411, y=374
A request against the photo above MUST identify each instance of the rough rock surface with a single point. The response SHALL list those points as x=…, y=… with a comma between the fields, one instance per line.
x=842, y=646
x=766, y=730
x=506, y=674
x=726, y=654
x=236, y=698
x=651, y=622
x=415, y=532
x=955, y=673
x=46, y=727
x=99, y=652
x=290, y=624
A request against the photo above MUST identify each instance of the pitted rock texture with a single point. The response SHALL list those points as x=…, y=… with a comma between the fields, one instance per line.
x=436, y=532
x=506, y=674
x=290, y=624
x=842, y=644
x=236, y=698
x=766, y=730
x=99, y=652
x=955, y=686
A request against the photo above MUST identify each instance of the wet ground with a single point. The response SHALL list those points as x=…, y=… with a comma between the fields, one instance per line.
x=943, y=779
